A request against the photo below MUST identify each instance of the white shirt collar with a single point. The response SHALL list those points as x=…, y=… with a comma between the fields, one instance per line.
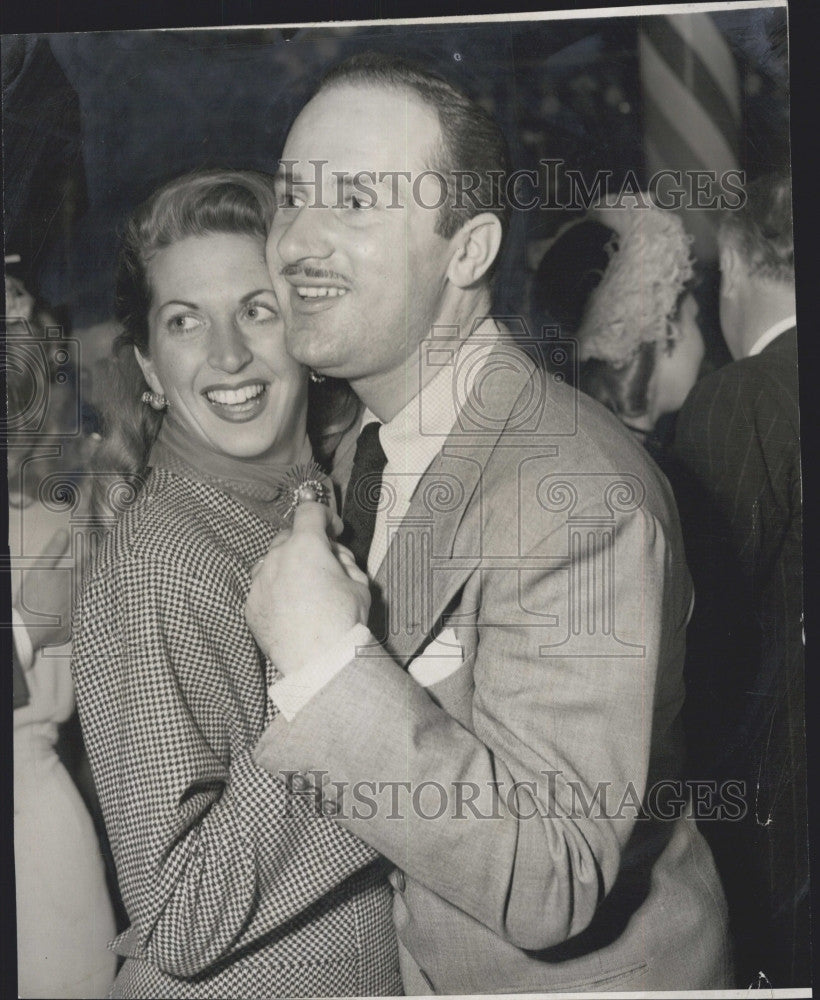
x=772, y=334
x=413, y=438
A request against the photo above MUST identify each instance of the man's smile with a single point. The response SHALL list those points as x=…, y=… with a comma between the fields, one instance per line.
x=320, y=291
x=308, y=296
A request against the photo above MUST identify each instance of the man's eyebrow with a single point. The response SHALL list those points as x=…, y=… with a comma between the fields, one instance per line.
x=286, y=175
x=346, y=181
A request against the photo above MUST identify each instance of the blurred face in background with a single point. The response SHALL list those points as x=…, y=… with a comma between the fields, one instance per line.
x=677, y=363
x=19, y=302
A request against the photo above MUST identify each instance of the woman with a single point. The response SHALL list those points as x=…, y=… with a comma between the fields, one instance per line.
x=234, y=885
x=64, y=913
x=619, y=282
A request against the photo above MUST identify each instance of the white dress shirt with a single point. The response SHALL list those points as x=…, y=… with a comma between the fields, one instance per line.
x=411, y=440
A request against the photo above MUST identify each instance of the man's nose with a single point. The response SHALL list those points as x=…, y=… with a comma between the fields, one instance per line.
x=229, y=351
x=302, y=234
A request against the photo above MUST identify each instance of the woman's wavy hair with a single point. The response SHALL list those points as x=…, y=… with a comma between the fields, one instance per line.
x=568, y=274
x=202, y=203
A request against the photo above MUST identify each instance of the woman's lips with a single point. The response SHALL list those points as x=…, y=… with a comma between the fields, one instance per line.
x=238, y=404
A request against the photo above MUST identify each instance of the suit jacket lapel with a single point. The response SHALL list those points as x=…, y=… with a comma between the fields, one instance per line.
x=427, y=562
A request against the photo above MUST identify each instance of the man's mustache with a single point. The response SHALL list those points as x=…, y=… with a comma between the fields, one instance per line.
x=296, y=270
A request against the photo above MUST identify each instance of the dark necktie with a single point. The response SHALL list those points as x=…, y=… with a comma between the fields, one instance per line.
x=362, y=497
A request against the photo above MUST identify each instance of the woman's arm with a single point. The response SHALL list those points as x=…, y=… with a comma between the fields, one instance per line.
x=212, y=852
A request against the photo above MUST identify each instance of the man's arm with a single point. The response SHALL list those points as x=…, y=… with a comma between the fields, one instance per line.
x=534, y=852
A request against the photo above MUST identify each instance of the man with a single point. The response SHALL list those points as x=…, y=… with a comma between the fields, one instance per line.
x=497, y=729
x=738, y=441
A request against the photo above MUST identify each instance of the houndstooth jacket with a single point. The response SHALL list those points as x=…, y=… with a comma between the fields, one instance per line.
x=235, y=885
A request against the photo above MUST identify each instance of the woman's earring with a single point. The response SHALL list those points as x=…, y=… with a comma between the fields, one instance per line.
x=155, y=400
x=316, y=377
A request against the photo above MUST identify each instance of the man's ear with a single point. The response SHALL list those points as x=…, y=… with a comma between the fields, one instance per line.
x=731, y=268
x=148, y=371
x=476, y=246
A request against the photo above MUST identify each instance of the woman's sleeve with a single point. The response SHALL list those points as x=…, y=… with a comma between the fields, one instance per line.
x=212, y=852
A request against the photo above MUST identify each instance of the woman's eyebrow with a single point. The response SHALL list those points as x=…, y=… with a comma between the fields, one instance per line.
x=177, y=302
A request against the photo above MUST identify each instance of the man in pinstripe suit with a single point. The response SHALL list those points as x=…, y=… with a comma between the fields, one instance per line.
x=738, y=442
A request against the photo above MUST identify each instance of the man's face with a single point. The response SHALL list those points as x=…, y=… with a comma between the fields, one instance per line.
x=359, y=286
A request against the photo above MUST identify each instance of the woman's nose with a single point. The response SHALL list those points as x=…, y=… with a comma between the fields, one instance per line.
x=229, y=351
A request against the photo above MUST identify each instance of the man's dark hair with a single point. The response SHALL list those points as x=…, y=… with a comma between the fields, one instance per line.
x=761, y=229
x=471, y=140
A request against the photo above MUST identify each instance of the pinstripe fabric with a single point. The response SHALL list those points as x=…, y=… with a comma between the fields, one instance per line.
x=737, y=442
x=235, y=887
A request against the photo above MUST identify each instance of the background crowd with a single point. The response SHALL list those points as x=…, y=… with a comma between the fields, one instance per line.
x=715, y=407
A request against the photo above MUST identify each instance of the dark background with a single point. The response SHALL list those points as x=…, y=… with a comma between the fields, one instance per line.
x=94, y=121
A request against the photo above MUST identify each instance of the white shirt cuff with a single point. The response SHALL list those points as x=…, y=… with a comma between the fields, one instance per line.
x=22, y=640
x=293, y=692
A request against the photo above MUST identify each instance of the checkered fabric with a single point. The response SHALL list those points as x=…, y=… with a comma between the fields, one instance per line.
x=235, y=886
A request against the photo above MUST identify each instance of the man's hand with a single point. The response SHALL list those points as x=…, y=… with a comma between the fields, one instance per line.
x=307, y=592
x=45, y=591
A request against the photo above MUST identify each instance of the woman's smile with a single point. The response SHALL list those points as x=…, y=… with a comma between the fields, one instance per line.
x=238, y=403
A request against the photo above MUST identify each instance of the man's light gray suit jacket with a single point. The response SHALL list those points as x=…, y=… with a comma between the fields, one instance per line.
x=550, y=543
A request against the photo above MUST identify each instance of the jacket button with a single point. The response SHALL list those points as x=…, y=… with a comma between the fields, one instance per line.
x=299, y=783
x=426, y=979
x=399, y=881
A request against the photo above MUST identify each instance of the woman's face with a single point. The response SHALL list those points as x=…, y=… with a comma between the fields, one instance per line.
x=217, y=349
x=678, y=364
